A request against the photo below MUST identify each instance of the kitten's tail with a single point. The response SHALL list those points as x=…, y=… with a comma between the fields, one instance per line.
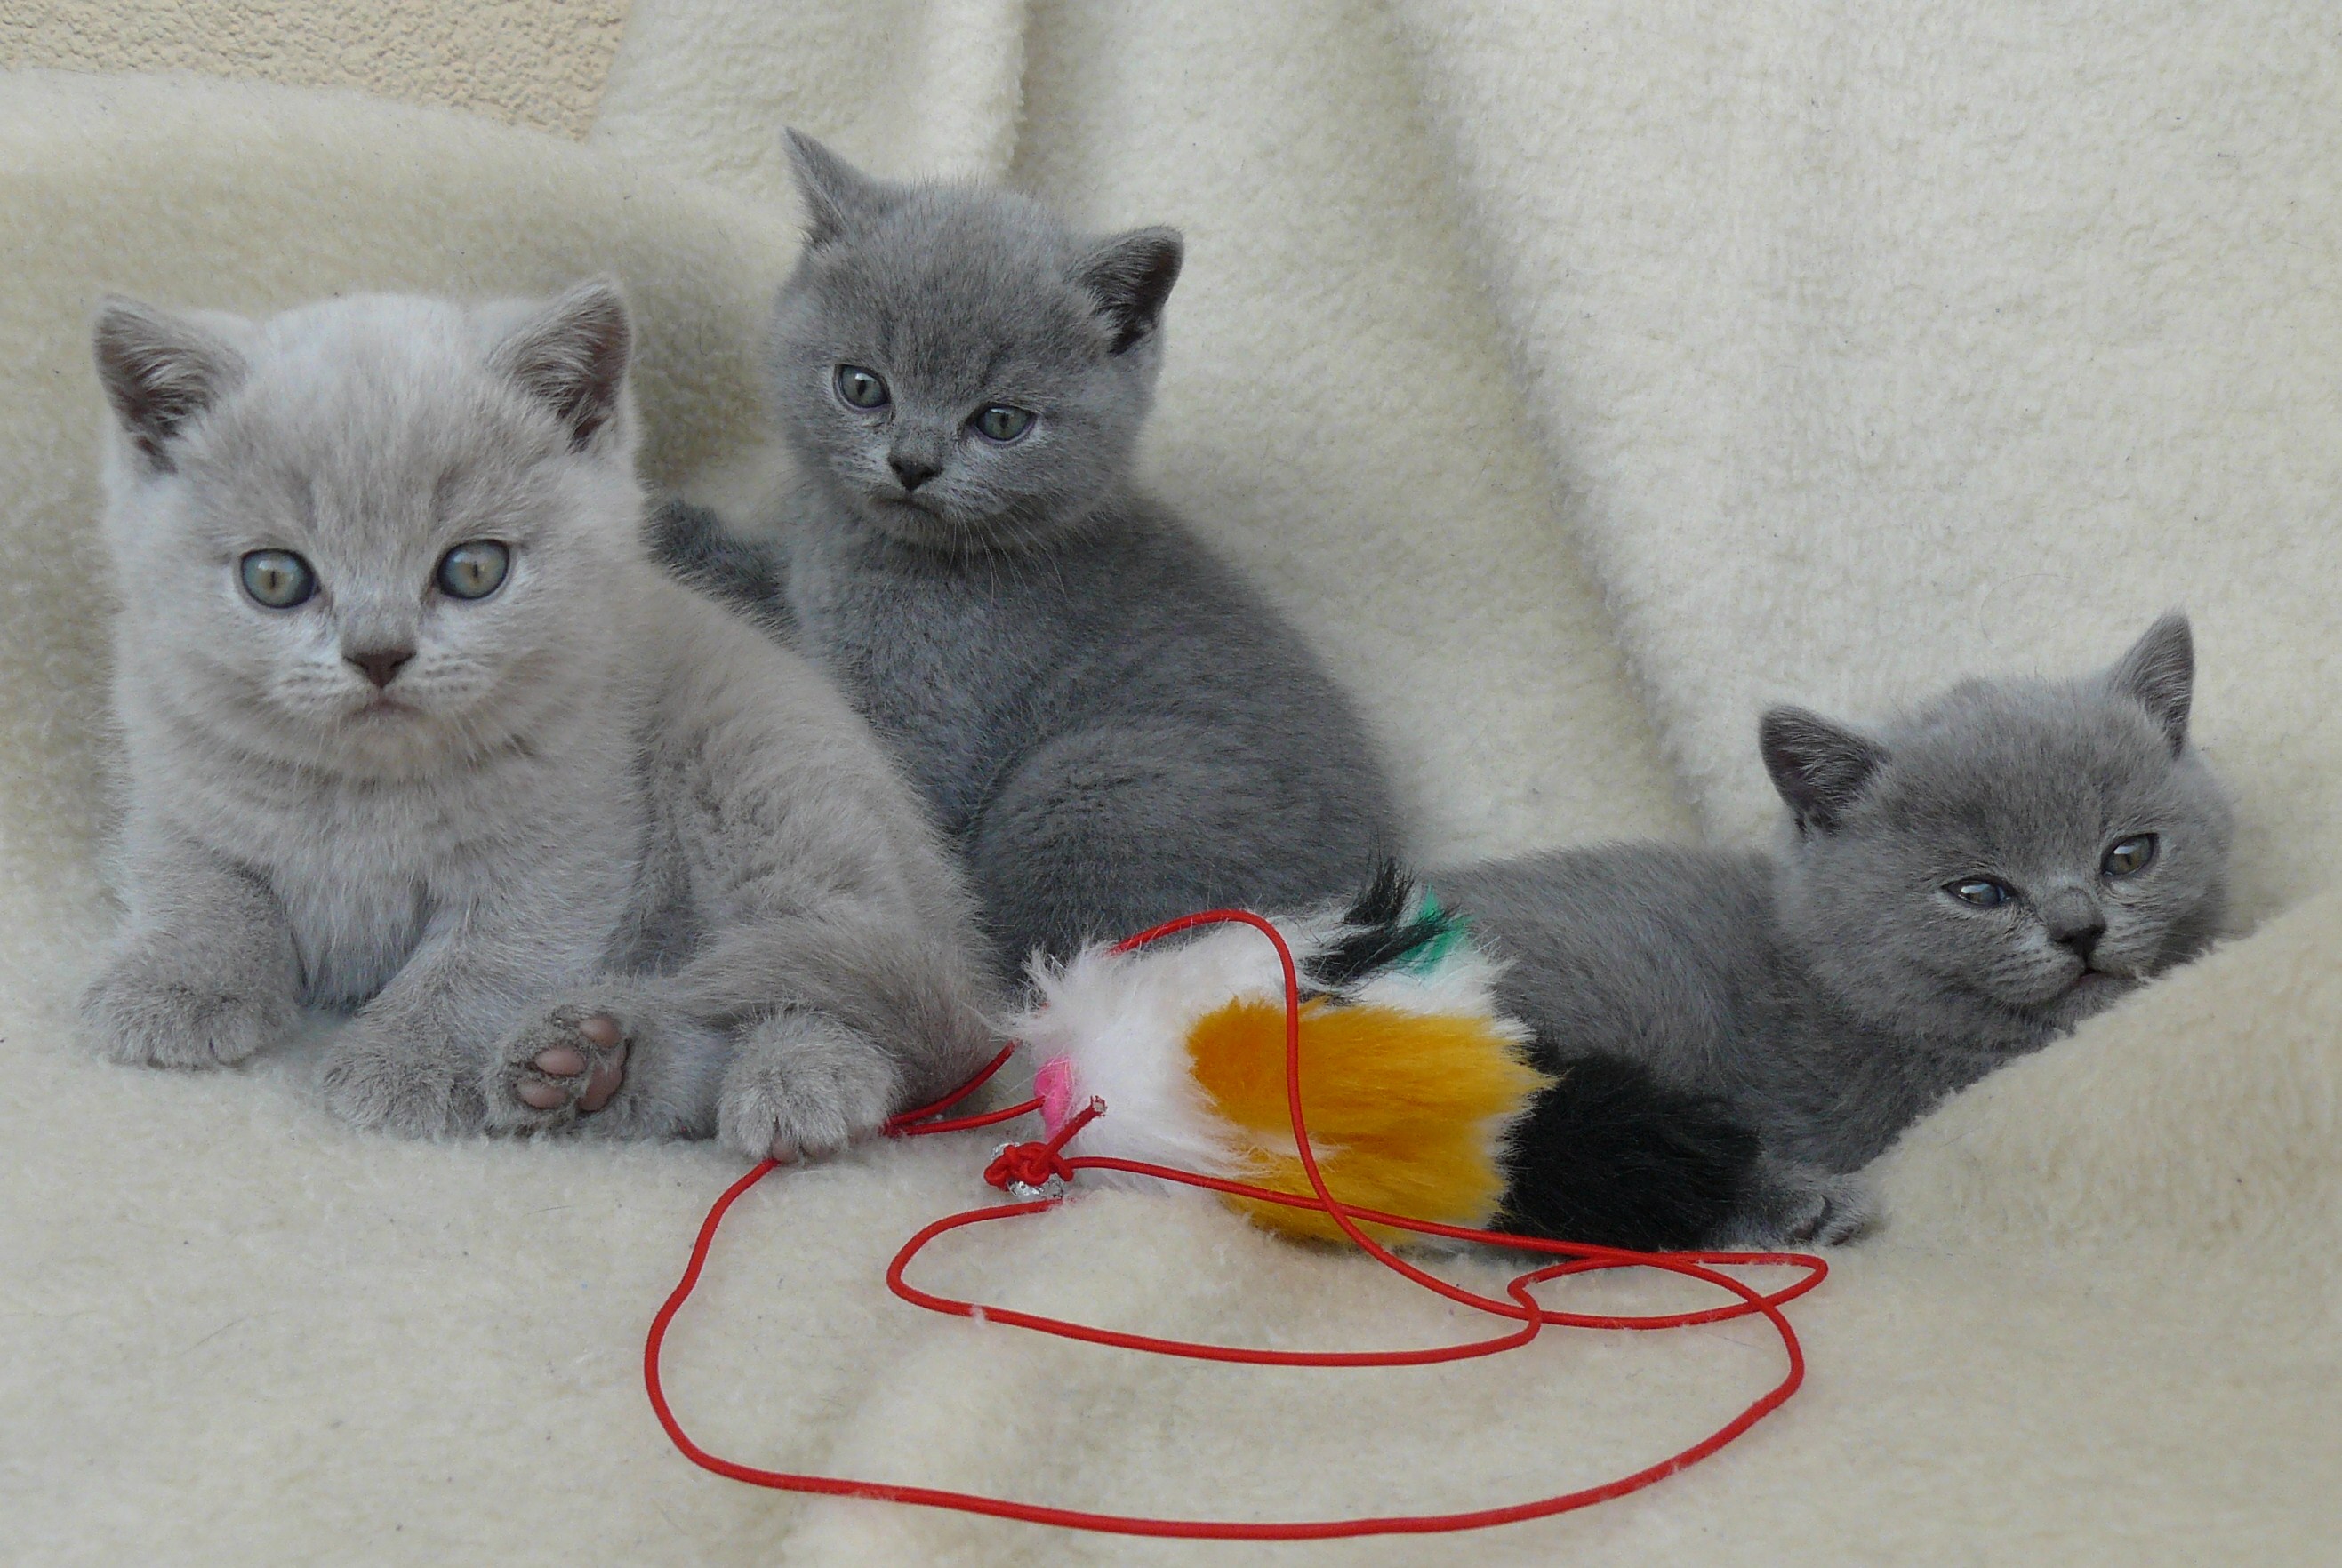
x=1612, y=1156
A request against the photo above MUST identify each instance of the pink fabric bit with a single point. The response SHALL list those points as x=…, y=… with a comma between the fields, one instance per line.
x=1054, y=1084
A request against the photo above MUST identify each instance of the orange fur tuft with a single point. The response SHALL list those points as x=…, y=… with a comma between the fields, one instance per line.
x=1404, y=1109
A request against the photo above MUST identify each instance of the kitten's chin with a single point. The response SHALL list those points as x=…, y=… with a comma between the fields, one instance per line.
x=2040, y=1019
x=908, y=522
x=388, y=736
x=2091, y=992
x=387, y=741
x=382, y=722
x=924, y=527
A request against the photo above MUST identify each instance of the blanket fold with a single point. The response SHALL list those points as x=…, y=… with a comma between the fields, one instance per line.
x=1581, y=380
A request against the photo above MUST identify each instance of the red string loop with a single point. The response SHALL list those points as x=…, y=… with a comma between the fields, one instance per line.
x=913, y=1124
x=1030, y=1166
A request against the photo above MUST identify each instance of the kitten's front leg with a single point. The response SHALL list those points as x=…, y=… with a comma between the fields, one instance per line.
x=204, y=972
x=410, y=1062
x=802, y=1086
x=789, y=1038
x=838, y=1020
x=1789, y=1203
x=618, y=1058
x=625, y=1059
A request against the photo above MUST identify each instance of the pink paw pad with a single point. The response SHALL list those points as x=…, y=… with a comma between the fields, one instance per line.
x=567, y=1061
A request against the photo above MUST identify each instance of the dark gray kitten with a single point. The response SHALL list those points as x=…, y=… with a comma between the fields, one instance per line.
x=1109, y=722
x=1961, y=887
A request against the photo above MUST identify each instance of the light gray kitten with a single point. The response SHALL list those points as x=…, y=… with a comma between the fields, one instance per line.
x=1113, y=727
x=1959, y=887
x=414, y=729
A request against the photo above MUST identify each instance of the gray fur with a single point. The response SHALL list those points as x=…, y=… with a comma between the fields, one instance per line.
x=1836, y=990
x=589, y=792
x=1109, y=722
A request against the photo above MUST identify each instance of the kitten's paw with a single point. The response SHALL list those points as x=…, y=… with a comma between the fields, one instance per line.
x=375, y=1079
x=804, y=1086
x=547, y=1073
x=149, y=1011
x=1840, y=1209
x=1796, y=1205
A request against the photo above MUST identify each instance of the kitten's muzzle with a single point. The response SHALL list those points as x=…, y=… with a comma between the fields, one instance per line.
x=2075, y=922
x=912, y=471
x=380, y=665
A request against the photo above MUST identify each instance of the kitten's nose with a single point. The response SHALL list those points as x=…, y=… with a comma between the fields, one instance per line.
x=381, y=666
x=912, y=471
x=2077, y=929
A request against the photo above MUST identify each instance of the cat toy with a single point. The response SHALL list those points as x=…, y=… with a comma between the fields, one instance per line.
x=1412, y=1075
x=1359, y=1048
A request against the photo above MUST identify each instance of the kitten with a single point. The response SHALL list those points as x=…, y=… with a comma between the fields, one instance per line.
x=1962, y=886
x=414, y=729
x=1111, y=724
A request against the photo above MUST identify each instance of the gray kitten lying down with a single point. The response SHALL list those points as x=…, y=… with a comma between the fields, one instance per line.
x=1111, y=724
x=415, y=729
x=1959, y=887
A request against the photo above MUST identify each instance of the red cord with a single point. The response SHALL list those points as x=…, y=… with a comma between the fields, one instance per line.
x=1023, y=1161
x=905, y=1124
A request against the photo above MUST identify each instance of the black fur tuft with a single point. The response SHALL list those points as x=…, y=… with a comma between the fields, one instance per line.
x=691, y=542
x=1611, y=1156
x=1381, y=934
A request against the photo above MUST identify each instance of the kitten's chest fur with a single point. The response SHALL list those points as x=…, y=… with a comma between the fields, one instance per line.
x=963, y=663
x=366, y=869
x=1835, y=1087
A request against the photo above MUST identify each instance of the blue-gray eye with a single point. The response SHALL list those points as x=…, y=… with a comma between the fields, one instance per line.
x=2130, y=857
x=861, y=388
x=474, y=570
x=277, y=578
x=1981, y=891
x=1002, y=422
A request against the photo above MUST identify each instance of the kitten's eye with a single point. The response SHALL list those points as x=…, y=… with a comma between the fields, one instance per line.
x=474, y=570
x=1002, y=422
x=861, y=388
x=2130, y=856
x=1981, y=891
x=277, y=578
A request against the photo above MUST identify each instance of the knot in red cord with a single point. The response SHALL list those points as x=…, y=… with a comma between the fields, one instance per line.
x=1030, y=1171
x=1030, y=1166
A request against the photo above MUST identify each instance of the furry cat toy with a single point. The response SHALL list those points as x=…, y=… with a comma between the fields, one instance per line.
x=1956, y=888
x=414, y=730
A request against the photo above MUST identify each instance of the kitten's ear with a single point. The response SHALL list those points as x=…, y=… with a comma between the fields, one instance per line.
x=159, y=371
x=1820, y=768
x=836, y=194
x=572, y=356
x=1130, y=276
x=2159, y=672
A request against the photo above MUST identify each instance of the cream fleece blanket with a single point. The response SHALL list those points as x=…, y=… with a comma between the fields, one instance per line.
x=1580, y=383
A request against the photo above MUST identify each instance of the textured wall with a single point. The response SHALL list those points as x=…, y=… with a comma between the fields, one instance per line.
x=530, y=62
